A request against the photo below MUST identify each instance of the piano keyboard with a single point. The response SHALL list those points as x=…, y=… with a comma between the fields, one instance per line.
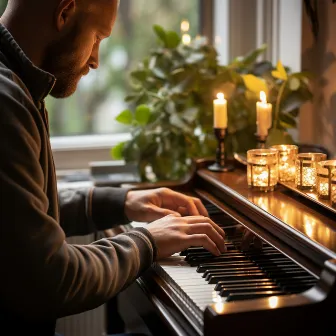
x=236, y=275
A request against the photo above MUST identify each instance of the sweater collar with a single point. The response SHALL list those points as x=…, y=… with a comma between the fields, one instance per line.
x=38, y=81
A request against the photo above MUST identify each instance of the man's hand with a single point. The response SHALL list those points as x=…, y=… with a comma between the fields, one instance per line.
x=175, y=233
x=150, y=205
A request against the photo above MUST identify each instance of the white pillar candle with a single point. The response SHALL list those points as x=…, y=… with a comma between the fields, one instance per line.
x=220, y=111
x=264, y=115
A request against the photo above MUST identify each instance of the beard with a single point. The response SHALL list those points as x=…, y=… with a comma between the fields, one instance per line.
x=62, y=60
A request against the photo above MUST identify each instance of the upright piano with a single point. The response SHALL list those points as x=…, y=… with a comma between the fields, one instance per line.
x=284, y=286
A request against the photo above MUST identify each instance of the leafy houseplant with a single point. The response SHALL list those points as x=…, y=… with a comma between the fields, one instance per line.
x=171, y=116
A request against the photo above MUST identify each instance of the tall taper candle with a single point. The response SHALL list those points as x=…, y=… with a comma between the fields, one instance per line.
x=220, y=111
x=264, y=115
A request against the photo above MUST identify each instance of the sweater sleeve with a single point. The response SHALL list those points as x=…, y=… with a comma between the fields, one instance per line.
x=87, y=210
x=42, y=275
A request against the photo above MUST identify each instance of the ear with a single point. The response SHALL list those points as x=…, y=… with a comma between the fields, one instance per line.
x=64, y=13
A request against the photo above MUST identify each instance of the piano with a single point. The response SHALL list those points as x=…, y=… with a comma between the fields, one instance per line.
x=284, y=286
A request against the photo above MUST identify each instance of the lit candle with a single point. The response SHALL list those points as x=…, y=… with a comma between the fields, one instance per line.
x=220, y=111
x=185, y=26
x=186, y=39
x=264, y=115
x=262, y=169
x=287, y=157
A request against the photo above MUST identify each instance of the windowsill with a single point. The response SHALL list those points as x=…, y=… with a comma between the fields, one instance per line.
x=76, y=152
x=87, y=142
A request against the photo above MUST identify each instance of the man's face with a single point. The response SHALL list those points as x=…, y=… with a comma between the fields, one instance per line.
x=73, y=54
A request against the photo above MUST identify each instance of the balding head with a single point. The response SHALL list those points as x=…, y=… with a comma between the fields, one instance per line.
x=61, y=36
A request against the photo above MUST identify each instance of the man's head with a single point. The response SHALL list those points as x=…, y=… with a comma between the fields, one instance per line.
x=73, y=30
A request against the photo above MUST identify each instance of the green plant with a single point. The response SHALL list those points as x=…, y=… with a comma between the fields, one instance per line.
x=171, y=111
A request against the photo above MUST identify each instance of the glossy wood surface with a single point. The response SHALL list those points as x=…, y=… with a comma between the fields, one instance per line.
x=305, y=216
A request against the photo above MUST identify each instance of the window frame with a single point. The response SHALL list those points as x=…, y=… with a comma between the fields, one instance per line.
x=267, y=23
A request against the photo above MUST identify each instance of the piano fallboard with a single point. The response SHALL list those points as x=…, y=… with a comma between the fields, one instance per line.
x=285, y=287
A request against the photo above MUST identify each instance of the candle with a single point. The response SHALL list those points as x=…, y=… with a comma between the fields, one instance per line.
x=220, y=111
x=306, y=170
x=287, y=157
x=186, y=39
x=333, y=189
x=264, y=115
x=325, y=171
x=185, y=26
x=262, y=169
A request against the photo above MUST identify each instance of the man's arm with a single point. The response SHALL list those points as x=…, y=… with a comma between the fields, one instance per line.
x=42, y=275
x=87, y=210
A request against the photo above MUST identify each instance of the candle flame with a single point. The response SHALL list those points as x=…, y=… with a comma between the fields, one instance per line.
x=186, y=39
x=220, y=96
x=185, y=26
x=263, y=97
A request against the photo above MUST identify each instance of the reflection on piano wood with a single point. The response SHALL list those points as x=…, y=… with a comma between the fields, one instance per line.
x=285, y=288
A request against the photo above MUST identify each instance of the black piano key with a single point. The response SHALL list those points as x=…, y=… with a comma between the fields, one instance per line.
x=254, y=283
x=232, y=273
x=207, y=255
x=252, y=295
x=224, y=265
x=196, y=262
x=234, y=270
x=239, y=282
x=227, y=291
x=215, y=278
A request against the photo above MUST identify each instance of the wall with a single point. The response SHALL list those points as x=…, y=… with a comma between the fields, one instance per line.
x=318, y=119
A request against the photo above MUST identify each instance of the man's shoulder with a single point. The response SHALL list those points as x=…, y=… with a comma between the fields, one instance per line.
x=11, y=84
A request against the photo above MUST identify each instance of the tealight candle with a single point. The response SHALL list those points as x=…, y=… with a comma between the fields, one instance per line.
x=333, y=188
x=306, y=170
x=325, y=170
x=262, y=169
x=287, y=157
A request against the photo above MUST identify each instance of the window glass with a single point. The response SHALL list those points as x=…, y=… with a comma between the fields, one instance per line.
x=100, y=95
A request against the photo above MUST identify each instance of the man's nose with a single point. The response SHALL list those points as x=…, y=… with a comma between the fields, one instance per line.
x=94, y=65
x=94, y=59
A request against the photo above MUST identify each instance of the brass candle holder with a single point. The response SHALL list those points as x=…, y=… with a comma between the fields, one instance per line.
x=287, y=157
x=306, y=170
x=262, y=169
x=325, y=170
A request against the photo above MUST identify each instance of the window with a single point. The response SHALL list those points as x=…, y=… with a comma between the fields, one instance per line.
x=100, y=95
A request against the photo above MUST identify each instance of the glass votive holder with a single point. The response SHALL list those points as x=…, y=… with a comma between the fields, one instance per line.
x=306, y=170
x=333, y=189
x=325, y=170
x=287, y=157
x=262, y=169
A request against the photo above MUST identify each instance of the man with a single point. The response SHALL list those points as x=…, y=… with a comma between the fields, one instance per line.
x=46, y=47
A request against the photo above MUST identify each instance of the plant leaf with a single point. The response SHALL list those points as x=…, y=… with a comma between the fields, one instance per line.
x=160, y=32
x=125, y=117
x=142, y=114
x=117, y=151
x=280, y=72
x=172, y=39
x=255, y=84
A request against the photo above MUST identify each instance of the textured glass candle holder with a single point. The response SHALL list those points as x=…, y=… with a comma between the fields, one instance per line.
x=325, y=170
x=306, y=170
x=333, y=188
x=262, y=169
x=287, y=157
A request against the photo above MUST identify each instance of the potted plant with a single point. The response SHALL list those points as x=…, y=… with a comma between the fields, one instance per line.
x=171, y=112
